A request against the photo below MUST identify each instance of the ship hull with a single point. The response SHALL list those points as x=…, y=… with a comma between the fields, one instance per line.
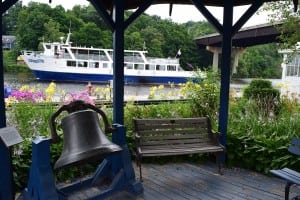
x=104, y=78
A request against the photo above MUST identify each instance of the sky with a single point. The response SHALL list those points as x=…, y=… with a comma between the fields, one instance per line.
x=180, y=13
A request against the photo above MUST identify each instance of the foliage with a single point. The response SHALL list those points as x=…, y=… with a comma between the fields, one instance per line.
x=29, y=111
x=203, y=94
x=266, y=98
x=200, y=28
x=52, y=32
x=89, y=34
x=31, y=22
x=260, y=143
x=10, y=64
x=283, y=12
x=261, y=61
x=254, y=141
x=9, y=22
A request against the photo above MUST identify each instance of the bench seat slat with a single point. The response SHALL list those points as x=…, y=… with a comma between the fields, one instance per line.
x=182, y=150
x=174, y=120
x=179, y=152
x=172, y=131
x=185, y=147
x=175, y=137
x=175, y=143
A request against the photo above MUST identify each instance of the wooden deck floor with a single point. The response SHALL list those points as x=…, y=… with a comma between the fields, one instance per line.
x=183, y=181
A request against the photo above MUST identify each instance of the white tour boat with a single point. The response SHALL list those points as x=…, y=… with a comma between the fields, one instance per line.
x=62, y=62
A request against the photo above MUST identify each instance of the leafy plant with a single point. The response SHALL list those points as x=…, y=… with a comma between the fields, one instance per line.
x=204, y=94
x=266, y=97
x=254, y=141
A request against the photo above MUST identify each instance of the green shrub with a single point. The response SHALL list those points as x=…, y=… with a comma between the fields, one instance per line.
x=266, y=97
x=260, y=143
x=260, y=88
x=204, y=95
x=254, y=141
x=10, y=62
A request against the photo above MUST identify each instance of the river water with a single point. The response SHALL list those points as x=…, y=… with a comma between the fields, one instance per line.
x=133, y=92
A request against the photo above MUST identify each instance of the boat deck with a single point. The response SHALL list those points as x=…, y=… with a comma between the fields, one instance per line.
x=184, y=181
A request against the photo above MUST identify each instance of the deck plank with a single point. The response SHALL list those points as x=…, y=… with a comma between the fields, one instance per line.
x=195, y=181
x=186, y=181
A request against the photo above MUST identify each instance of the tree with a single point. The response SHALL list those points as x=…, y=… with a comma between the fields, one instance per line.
x=133, y=41
x=89, y=35
x=52, y=32
x=283, y=11
x=261, y=61
x=153, y=41
x=31, y=22
x=9, y=20
x=197, y=29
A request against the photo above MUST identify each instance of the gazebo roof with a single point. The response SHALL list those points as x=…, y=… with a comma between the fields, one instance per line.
x=132, y=4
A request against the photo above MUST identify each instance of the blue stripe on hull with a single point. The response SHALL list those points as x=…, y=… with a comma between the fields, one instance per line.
x=56, y=76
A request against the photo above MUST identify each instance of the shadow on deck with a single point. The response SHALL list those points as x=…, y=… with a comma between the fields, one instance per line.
x=183, y=181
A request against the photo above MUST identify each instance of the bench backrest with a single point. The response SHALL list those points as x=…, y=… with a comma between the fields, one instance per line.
x=179, y=131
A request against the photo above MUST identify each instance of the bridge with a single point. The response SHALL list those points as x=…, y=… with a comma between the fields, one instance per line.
x=249, y=36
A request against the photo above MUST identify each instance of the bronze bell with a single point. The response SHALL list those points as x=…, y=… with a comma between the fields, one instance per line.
x=84, y=140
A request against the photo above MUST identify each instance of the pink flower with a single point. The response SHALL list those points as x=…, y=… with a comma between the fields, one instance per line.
x=84, y=96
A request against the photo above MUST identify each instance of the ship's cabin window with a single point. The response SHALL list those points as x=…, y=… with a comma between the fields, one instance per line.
x=171, y=68
x=94, y=55
x=128, y=65
x=105, y=65
x=82, y=64
x=180, y=68
x=132, y=57
x=48, y=46
x=150, y=67
x=94, y=64
x=71, y=63
x=160, y=67
x=139, y=66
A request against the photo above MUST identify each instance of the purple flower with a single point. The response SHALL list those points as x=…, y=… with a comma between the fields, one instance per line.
x=28, y=96
x=84, y=96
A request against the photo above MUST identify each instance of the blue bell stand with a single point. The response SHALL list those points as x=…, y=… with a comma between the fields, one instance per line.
x=6, y=179
x=117, y=168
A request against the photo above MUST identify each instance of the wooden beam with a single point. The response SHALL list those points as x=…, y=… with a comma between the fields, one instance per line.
x=207, y=14
x=246, y=16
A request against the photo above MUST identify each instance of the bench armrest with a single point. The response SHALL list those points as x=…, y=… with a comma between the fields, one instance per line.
x=216, y=136
x=137, y=140
x=138, y=149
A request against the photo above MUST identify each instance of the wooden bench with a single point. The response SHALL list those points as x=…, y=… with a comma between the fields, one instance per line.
x=292, y=177
x=175, y=136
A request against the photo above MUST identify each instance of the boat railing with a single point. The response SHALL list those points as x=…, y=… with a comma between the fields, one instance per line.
x=163, y=60
x=29, y=52
x=91, y=57
x=133, y=59
x=66, y=56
